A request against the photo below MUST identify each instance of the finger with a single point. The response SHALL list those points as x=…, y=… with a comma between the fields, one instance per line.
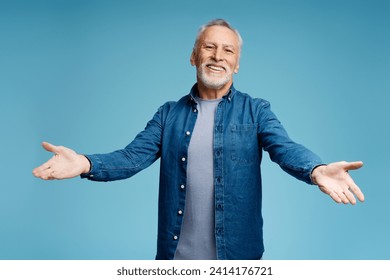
x=335, y=197
x=48, y=174
x=339, y=196
x=42, y=172
x=48, y=164
x=343, y=197
x=51, y=176
x=50, y=147
x=47, y=177
x=40, y=169
x=353, y=165
x=44, y=169
x=351, y=198
x=333, y=194
x=355, y=190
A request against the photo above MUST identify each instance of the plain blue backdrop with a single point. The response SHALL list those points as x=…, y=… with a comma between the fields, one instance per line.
x=90, y=74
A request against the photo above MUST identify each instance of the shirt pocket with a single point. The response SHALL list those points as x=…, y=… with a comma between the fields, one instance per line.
x=245, y=147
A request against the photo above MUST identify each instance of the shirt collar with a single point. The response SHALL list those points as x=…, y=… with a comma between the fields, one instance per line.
x=194, y=92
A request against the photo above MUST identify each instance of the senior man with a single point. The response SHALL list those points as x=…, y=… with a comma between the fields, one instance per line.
x=210, y=143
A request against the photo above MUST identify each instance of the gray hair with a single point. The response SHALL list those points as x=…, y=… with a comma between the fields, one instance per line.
x=218, y=22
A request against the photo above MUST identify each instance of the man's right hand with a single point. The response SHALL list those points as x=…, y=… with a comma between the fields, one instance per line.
x=65, y=164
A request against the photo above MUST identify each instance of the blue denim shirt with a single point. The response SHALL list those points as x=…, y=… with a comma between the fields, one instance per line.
x=243, y=128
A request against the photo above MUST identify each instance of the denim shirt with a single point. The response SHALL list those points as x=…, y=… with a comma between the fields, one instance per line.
x=243, y=128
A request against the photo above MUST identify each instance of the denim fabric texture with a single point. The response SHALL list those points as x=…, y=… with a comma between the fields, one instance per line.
x=243, y=128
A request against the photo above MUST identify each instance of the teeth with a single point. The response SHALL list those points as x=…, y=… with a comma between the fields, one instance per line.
x=216, y=68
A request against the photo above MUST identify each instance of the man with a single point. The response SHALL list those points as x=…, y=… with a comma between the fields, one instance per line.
x=210, y=143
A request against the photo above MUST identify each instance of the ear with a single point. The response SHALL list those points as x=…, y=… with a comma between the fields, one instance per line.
x=236, y=68
x=192, y=58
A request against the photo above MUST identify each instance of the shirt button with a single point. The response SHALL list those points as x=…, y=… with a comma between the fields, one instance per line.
x=195, y=110
x=183, y=159
x=180, y=212
x=182, y=187
x=175, y=237
x=91, y=176
x=188, y=133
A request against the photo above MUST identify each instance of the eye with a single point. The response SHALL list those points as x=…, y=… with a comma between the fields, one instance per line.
x=208, y=47
x=229, y=51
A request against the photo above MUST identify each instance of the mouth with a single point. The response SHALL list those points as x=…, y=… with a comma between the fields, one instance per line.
x=215, y=68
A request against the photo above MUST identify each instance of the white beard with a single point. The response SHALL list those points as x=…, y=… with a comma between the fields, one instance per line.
x=213, y=81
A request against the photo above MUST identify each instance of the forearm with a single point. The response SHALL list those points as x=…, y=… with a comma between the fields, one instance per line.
x=108, y=167
x=113, y=166
x=297, y=161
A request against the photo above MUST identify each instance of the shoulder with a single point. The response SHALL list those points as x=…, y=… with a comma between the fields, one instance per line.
x=172, y=105
x=246, y=99
x=173, y=109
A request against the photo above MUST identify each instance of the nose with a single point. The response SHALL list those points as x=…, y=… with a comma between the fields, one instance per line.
x=218, y=54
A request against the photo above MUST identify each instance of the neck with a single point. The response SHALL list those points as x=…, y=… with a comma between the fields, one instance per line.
x=210, y=93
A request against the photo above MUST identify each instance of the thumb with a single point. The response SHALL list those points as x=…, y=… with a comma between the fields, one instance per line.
x=353, y=165
x=50, y=147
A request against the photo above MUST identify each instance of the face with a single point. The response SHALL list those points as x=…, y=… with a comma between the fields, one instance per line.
x=216, y=57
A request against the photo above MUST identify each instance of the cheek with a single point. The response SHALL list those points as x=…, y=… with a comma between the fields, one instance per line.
x=201, y=58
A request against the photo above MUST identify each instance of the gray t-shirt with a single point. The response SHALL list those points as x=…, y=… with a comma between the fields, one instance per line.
x=197, y=239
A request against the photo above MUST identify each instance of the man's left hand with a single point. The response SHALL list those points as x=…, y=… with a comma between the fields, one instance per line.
x=334, y=180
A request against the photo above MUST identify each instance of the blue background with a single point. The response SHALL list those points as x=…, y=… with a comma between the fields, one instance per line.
x=90, y=74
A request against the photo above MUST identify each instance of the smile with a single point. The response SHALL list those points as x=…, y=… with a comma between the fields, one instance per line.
x=215, y=68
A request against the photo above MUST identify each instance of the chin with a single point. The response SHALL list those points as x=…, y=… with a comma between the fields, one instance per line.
x=213, y=83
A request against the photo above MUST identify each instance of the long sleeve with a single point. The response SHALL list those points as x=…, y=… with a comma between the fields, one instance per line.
x=138, y=155
x=292, y=157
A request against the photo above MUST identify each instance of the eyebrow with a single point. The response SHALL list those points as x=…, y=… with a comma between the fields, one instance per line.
x=223, y=45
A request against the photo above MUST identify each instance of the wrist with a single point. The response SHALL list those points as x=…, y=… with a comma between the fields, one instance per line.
x=86, y=164
x=315, y=173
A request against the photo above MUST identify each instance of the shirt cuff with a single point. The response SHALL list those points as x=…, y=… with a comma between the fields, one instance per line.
x=95, y=164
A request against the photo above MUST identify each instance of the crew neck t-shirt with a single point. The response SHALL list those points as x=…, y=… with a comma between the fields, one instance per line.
x=197, y=237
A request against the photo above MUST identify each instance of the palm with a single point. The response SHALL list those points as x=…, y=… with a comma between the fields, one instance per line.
x=334, y=180
x=65, y=163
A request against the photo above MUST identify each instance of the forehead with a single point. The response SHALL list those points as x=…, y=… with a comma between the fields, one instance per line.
x=219, y=35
